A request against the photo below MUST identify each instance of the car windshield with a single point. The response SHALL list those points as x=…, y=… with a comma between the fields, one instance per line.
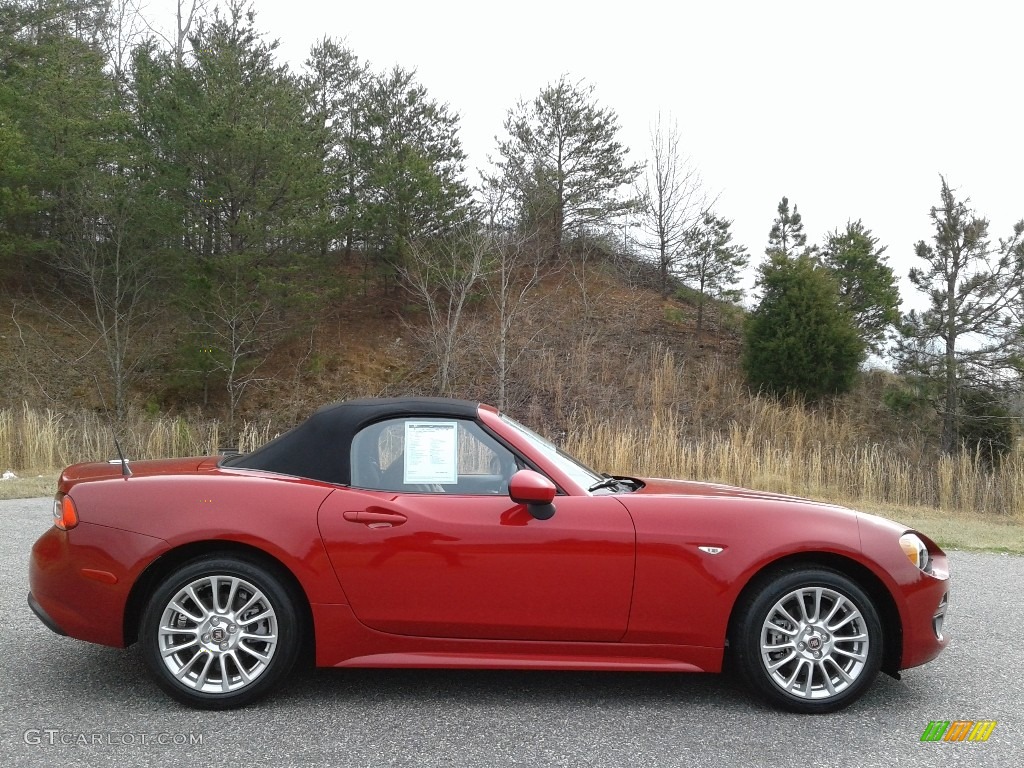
x=581, y=475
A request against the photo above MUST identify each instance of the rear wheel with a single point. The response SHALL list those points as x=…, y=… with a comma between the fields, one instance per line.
x=808, y=640
x=220, y=632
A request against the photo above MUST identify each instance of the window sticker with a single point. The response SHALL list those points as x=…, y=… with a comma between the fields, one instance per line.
x=431, y=452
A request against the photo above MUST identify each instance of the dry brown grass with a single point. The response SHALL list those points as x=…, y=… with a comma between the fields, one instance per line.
x=702, y=424
x=29, y=485
x=45, y=440
x=750, y=456
x=638, y=410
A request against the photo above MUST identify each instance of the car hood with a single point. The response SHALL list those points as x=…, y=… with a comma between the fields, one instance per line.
x=662, y=487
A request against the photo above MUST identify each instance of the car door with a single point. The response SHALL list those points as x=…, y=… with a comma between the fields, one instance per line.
x=433, y=546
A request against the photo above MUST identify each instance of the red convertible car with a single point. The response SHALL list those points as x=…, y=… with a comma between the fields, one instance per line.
x=441, y=533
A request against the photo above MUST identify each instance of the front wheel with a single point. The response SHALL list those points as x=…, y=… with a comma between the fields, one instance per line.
x=220, y=632
x=808, y=640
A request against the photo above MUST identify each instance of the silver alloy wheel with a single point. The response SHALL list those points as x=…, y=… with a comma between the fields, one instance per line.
x=218, y=634
x=814, y=643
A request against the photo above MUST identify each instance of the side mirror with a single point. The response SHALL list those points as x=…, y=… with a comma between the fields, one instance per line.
x=535, y=491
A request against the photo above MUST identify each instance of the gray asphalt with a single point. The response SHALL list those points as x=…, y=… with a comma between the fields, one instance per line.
x=70, y=703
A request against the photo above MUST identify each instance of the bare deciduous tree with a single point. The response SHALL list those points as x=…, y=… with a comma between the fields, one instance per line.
x=240, y=325
x=672, y=199
x=123, y=31
x=442, y=277
x=109, y=276
x=187, y=14
x=515, y=272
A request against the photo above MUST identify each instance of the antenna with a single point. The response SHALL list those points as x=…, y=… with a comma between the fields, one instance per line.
x=126, y=471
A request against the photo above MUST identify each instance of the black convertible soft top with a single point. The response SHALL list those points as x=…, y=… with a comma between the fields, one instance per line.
x=318, y=448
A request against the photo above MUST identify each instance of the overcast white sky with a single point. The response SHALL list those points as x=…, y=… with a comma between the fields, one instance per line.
x=852, y=110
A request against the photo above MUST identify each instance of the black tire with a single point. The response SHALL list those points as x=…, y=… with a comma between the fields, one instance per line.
x=821, y=661
x=220, y=632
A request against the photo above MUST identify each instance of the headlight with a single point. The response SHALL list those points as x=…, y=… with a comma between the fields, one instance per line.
x=915, y=550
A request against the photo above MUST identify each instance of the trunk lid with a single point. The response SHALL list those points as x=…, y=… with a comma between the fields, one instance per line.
x=106, y=470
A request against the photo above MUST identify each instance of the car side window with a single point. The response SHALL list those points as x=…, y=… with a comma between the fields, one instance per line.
x=430, y=455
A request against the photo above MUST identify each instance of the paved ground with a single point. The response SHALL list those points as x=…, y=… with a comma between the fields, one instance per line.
x=101, y=704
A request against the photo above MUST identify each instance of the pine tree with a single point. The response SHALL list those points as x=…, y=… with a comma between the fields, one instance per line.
x=414, y=188
x=60, y=124
x=233, y=144
x=712, y=262
x=336, y=82
x=964, y=335
x=787, y=233
x=562, y=150
x=867, y=285
x=238, y=157
x=800, y=339
x=75, y=206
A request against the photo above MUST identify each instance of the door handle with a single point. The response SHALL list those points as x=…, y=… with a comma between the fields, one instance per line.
x=375, y=518
x=370, y=517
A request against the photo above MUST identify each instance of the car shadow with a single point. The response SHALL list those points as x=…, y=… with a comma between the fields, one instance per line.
x=505, y=687
x=87, y=673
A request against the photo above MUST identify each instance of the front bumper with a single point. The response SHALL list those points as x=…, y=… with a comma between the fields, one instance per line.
x=925, y=606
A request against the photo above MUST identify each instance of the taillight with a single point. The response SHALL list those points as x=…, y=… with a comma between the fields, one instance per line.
x=65, y=516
